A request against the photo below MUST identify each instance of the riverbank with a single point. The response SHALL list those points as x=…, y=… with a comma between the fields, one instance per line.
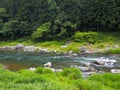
x=64, y=47
x=45, y=79
x=105, y=43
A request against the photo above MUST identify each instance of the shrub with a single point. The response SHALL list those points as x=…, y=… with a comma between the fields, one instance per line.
x=113, y=51
x=42, y=70
x=90, y=37
x=71, y=73
x=107, y=79
x=42, y=33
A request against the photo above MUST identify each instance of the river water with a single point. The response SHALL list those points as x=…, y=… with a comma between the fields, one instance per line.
x=21, y=60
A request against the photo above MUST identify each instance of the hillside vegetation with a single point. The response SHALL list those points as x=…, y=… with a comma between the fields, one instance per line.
x=46, y=20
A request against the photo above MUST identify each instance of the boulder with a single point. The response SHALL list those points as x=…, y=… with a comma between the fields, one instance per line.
x=116, y=46
x=44, y=50
x=105, y=62
x=64, y=46
x=56, y=70
x=83, y=49
x=74, y=54
x=99, y=62
x=86, y=74
x=85, y=69
x=115, y=70
x=30, y=49
x=48, y=64
x=19, y=47
x=5, y=48
x=32, y=69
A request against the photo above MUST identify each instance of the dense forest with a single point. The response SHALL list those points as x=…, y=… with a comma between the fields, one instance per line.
x=57, y=19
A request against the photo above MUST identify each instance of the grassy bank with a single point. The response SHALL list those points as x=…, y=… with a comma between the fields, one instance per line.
x=104, y=41
x=45, y=79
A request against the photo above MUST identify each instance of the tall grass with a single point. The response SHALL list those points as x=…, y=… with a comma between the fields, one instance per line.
x=113, y=51
x=68, y=79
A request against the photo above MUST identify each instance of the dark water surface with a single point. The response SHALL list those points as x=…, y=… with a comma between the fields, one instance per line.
x=19, y=60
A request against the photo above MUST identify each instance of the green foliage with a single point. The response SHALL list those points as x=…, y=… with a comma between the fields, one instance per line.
x=42, y=70
x=14, y=29
x=66, y=17
x=68, y=79
x=110, y=80
x=42, y=32
x=113, y=51
x=72, y=73
x=90, y=37
x=3, y=13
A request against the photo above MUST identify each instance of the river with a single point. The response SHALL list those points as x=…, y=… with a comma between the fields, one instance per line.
x=20, y=60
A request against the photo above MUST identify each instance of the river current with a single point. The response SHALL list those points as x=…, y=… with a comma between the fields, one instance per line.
x=21, y=60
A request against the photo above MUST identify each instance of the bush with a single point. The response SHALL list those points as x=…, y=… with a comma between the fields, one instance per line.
x=113, y=51
x=15, y=29
x=108, y=79
x=71, y=73
x=90, y=37
x=42, y=70
x=42, y=33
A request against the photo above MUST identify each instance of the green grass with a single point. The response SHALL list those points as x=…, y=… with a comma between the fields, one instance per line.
x=113, y=51
x=44, y=79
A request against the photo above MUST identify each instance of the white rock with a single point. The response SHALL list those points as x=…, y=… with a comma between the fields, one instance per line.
x=74, y=54
x=48, y=64
x=30, y=48
x=56, y=70
x=64, y=46
x=116, y=46
x=115, y=70
x=32, y=69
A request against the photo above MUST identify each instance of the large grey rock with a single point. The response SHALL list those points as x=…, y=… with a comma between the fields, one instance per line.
x=105, y=62
x=43, y=50
x=19, y=47
x=115, y=70
x=32, y=69
x=83, y=49
x=99, y=62
x=64, y=46
x=86, y=74
x=8, y=48
x=30, y=48
x=56, y=70
x=48, y=64
x=74, y=54
x=85, y=69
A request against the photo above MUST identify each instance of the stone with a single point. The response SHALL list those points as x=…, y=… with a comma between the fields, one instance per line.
x=83, y=49
x=19, y=47
x=70, y=52
x=105, y=62
x=116, y=46
x=74, y=54
x=56, y=70
x=44, y=50
x=48, y=64
x=115, y=70
x=30, y=49
x=86, y=74
x=99, y=62
x=32, y=69
x=85, y=69
x=64, y=46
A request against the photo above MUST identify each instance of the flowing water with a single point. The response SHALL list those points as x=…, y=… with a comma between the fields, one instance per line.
x=20, y=60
